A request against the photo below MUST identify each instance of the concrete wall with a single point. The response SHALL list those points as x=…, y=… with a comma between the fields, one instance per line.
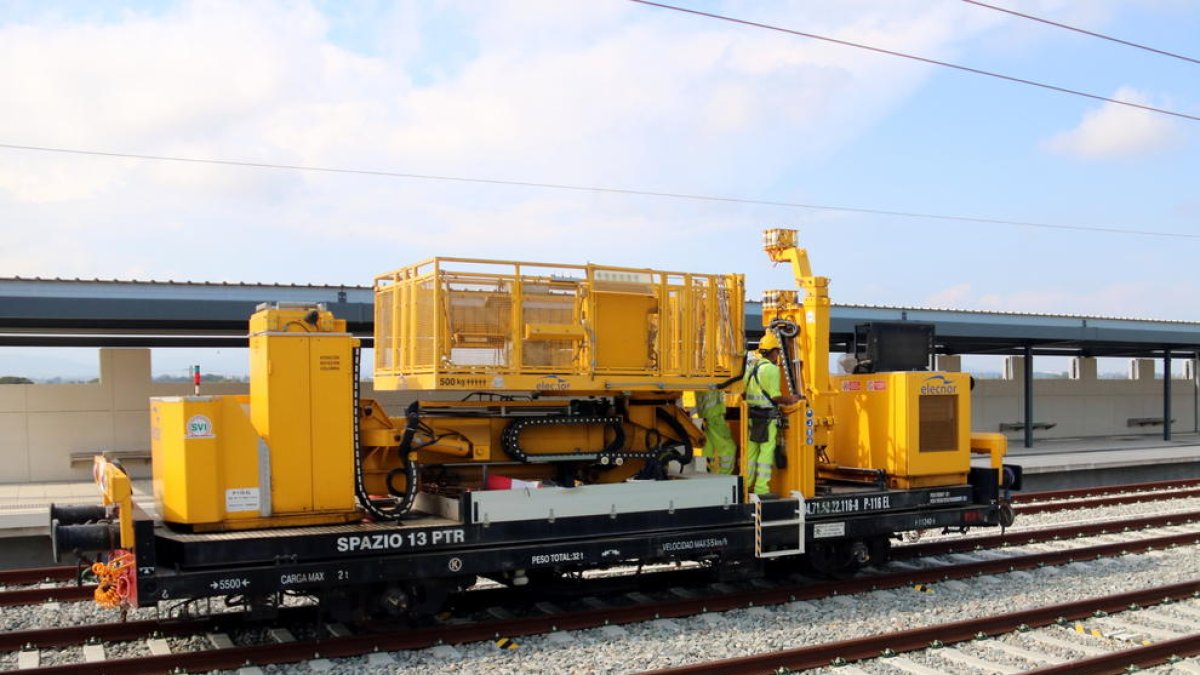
x=1086, y=405
x=41, y=425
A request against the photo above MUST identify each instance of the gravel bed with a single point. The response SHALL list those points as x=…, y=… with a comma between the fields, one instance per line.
x=55, y=614
x=740, y=632
x=657, y=645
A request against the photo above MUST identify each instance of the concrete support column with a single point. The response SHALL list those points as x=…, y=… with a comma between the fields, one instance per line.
x=1167, y=395
x=1020, y=369
x=1141, y=369
x=1014, y=368
x=1191, y=373
x=1028, y=396
x=1084, y=368
x=949, y=363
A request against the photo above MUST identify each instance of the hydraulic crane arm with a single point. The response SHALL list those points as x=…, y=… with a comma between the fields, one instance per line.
x=811, y=315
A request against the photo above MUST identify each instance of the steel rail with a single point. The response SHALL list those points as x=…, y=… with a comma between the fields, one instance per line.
x=534, y=625
x=1097, y=502
x=473, y=601
x=1076, y=493
x=121, y=631
x=30, y=596
x=33, y=596
x=1020, y=538
x=64, y=636
x=37, y=575
x=920, y=638
x=1127, y=660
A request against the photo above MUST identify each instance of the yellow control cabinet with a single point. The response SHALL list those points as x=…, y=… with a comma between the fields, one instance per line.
x=915, y=426
x=282, y=456
x=200, y=477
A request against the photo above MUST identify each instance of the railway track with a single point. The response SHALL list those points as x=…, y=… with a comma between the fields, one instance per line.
x=1112, y=495
x=337, y=642
x=1106, y=490
x=288, y=649
x=1074, y=615
x=1033, y=536
x=36, y=575
x=1026, y=504
x=43, y=584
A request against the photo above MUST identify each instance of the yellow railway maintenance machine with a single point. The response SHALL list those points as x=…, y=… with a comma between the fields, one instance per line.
x=546, y=437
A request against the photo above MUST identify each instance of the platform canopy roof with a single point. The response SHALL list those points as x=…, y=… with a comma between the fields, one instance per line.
x=99, y=313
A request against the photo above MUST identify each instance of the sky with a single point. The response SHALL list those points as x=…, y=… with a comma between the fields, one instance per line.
x=610, y=94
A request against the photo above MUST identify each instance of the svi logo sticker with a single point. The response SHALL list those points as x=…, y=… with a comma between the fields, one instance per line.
x=199, y=426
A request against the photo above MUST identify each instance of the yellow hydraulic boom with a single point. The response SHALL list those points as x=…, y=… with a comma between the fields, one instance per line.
x=901, y=429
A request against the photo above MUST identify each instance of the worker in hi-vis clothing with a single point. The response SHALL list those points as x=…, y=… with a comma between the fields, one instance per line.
x=763, y=398
x=719, y=447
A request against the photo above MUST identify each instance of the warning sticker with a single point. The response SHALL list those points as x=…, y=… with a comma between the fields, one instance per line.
x=199, y=426
x=241, y=499
x=823, y=530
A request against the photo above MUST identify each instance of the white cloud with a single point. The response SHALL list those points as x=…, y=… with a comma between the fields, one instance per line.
x=599, y=93
x=602, y=93
x=952, y=297
x=1117, y=131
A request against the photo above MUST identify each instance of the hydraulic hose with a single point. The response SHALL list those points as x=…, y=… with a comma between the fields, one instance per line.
x=789, y=330
x=735, y=378
x=511, y=440
x=684, y=457
x=410, y=468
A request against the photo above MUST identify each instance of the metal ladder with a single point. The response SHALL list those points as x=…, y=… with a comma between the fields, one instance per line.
x=760, y=525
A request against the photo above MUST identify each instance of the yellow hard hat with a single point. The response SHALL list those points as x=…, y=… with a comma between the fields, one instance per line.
x=768, y=341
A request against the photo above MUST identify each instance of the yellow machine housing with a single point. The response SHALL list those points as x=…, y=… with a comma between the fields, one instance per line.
x=602, y=356
x=472, y=435
x=631, y=340
x=913, y=426
x=284, y=455
x=905, y=429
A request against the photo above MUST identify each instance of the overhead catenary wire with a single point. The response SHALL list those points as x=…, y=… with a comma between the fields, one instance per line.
x=1084, y=31
x=921, y=59
x=600, y=189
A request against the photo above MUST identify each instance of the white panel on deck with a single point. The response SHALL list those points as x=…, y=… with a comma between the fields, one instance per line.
x=697, y=490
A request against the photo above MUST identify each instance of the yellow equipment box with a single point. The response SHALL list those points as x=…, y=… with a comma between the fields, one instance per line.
x=199, y=475
x=453, y=323
x=915, y=426
x=284, y=455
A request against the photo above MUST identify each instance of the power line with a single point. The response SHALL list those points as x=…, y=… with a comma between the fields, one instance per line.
x=922, y=59
x=1102, y=36
x=602, y=190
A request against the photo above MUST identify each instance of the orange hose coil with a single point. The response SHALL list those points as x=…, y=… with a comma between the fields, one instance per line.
x=113, y=580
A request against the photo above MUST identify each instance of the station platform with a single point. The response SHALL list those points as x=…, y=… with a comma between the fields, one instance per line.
x=1061, y=464
x=1050, y=465
x=25, y=507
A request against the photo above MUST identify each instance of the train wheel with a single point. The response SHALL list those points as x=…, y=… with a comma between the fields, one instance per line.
x=879, y=550
x=836, y=560
x=412, y=601
x=1006, y=515
x=395, y=601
